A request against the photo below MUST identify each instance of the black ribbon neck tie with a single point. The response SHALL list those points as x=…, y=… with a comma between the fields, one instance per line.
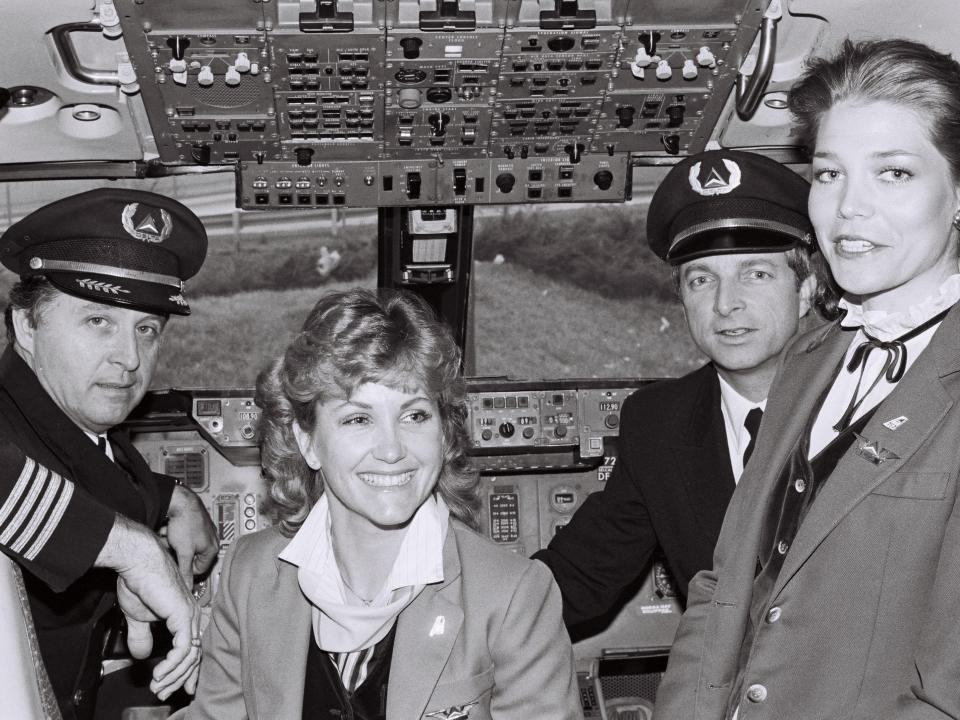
x=894, y=365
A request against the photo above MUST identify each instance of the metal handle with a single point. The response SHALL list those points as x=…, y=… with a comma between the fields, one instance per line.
x=71, y=62
x=750, y=88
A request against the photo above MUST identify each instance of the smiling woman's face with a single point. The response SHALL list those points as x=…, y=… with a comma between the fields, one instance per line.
x=882, y=203
x=381, y=452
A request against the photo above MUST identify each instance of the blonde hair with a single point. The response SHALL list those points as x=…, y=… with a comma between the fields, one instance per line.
x=351, y=338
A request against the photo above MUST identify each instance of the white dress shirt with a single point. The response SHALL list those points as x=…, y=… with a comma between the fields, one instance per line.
x=735, y=407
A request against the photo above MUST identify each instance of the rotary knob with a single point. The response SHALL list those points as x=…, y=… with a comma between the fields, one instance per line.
x=603, y=179
x=505, y=182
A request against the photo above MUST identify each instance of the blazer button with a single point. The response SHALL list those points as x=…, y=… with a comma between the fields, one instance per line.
x=773, y=614
x=782, y=547
x=756, y=693
x=78, y=698
x=799, y=485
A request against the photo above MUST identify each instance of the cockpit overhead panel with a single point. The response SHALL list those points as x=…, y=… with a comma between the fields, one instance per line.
x=395, y=102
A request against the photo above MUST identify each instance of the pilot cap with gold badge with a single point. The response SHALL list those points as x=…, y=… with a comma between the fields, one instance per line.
x=728, y=201
x=121, y=247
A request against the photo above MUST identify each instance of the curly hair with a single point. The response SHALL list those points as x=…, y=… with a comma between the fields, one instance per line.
x=351, y=338
x=898, y=71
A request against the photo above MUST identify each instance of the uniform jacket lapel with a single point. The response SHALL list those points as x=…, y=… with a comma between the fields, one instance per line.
x=701, y=453
x=923, y=397
x=426, y=632
x=278, y=658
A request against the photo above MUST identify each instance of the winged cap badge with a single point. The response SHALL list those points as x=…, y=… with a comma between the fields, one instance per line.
x=719, y=181
x=147, y=229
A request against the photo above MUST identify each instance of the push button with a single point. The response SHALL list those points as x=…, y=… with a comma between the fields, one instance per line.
x=756, y=693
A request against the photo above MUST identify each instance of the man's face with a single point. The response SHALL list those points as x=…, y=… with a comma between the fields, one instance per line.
x=742, y=309
x=96, y=361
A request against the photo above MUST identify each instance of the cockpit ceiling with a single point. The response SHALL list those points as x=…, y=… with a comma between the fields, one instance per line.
x=137, y=87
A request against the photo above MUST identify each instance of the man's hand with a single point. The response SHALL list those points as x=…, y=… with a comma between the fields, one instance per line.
x=149, y=588
x=191, y=533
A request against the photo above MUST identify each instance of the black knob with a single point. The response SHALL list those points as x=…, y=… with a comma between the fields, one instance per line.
x=178, y=45
x=304, y=155
x=625, y=114
x=505, y=182
x=671, y=143
x=508, y=151
x=675, y=113
x=411, y=47
x=574, y=152
x=603, y=179
x=560, y=431
x=4, y=96
x=506, y=429
x=524, y=151
x=649, y=40
x=200, y=154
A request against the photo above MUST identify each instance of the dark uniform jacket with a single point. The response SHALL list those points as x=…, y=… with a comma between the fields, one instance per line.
x=669, y=490
x=55, y=529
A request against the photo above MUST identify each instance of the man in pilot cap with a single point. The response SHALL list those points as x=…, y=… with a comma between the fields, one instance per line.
x=100, y=274
x=734, y=227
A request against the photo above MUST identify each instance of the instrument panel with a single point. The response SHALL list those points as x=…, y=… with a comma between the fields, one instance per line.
x=531, y=483
x=404, y=103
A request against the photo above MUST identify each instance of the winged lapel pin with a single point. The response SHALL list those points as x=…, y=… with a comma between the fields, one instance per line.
x=871, y=450
x=456, y=712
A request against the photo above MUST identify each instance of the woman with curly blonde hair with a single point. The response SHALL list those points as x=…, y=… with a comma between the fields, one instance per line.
x=374, y=598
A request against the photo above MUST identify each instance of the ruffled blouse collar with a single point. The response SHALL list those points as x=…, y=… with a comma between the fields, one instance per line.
x=885, y=325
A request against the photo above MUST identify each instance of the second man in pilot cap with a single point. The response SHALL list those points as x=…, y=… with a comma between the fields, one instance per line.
x=734, y=227
x=100, y=274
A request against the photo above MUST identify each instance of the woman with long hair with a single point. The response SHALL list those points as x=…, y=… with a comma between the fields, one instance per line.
x=835, y=590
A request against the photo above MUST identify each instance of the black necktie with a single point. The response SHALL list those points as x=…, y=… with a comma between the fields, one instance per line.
x=102, y=443
x=893, y=368
x=752, y=424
